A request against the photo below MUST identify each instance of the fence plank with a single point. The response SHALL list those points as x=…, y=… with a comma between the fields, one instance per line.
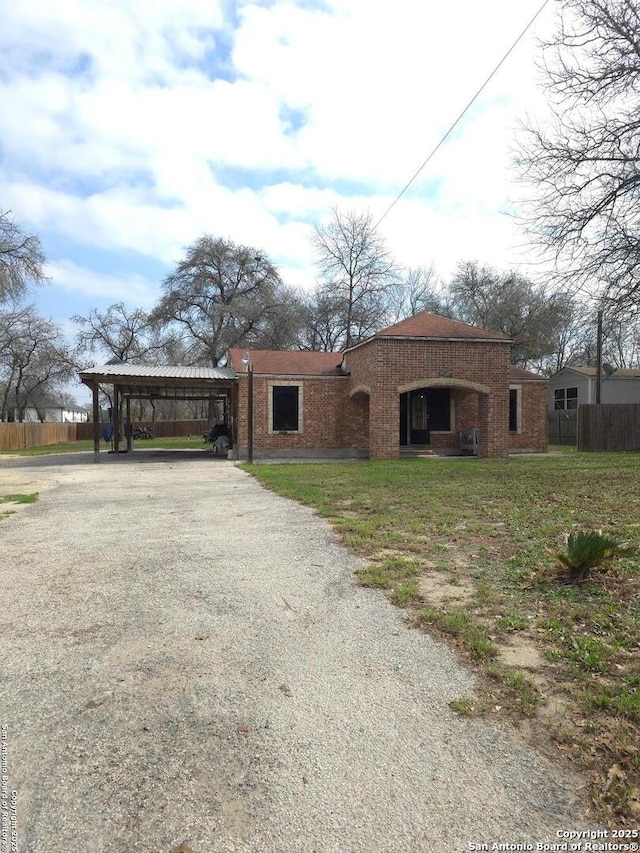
x=609, y=426
x=161, y=429
x=19, y=436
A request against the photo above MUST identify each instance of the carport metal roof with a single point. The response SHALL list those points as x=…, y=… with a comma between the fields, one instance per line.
x=151, y=382
x=161, y=382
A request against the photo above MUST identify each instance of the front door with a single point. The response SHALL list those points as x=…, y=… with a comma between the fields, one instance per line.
x=414, y=418
x=418, y=417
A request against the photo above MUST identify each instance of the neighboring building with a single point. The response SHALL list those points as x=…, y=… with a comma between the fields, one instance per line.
x=576, y=386
x=56, y=414
x=426, y=382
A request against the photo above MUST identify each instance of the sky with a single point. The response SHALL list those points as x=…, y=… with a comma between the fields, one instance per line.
x=129, y=128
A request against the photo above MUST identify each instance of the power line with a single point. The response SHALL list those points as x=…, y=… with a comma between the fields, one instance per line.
x=462, y=114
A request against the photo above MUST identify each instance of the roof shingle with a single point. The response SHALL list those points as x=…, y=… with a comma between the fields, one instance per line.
x=516, y=372
x=618, y=373
x=288, y=362
x=426, y=325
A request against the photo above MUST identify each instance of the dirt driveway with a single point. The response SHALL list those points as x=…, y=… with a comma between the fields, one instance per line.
x=187, y=665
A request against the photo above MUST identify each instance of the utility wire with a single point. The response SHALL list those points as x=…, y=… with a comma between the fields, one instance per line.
x=462, y=114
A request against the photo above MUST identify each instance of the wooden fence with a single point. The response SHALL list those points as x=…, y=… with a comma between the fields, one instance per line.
x=562, y=427
x=609, y=426
x=161, y=429
x=19, y=436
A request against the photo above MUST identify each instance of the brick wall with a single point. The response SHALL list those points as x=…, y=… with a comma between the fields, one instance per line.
x=354, y=423
x=533, y=434
x=325, y=403
x=386, y=364
x=335, y=418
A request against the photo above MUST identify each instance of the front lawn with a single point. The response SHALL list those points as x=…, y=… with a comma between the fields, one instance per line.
x=462, y=544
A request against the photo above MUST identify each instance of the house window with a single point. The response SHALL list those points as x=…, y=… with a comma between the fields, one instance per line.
x=565, y=398
x=439, y=407
x=515, y=409
x=285, y=407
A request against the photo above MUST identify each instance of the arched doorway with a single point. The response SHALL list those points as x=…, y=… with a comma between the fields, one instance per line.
x=435, y=411
x=359, y=401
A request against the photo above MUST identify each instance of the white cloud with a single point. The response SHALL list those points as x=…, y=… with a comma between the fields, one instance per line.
x=131, y=289
x=119, y=133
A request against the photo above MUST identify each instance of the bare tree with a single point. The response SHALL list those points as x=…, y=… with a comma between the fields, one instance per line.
x=420, y=290
x=323, y=327
x=225, y=295
x=21, y=260
x=125, y=334
x=356, y=272
x=621, y=336
x=34, y=361
x=511, y=304
x=585, y=165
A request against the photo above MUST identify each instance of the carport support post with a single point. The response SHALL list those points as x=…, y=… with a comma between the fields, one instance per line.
x=250, y=414
x=96, y=424
x=116, y=419
x=128, y=430
x=234, y=418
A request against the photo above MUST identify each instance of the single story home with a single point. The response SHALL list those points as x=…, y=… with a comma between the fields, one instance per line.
x=56, y=413
x=576, y=386
x=425, y=382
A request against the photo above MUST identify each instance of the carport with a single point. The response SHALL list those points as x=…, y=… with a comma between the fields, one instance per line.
x=147, y=382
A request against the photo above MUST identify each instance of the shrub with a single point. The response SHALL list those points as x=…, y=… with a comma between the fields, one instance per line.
x=587, y=550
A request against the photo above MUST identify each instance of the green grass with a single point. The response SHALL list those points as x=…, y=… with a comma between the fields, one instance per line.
x=622, y=698
x=486, y=525
x=16, y=499
x=458, y=624
x=19, y=499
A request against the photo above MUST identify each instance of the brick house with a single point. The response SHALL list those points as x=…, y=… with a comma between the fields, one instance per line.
x=426, y=382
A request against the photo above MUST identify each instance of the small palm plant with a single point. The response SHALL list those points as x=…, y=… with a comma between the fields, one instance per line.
x=587, y=550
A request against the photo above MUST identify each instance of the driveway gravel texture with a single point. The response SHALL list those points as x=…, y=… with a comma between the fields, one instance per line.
x=189, y=665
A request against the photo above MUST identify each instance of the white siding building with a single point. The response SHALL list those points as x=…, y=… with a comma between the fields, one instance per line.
x=575, y=386
x=57, y=414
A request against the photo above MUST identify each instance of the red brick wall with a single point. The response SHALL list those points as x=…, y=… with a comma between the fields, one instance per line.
x=325, y=404
x=533, y=434
x=355, y=423
x=332, y=419
x=384, y=364
x=466, y=403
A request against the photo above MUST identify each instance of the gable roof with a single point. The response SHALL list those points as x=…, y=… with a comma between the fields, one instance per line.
x=426, y=325
x=288, y=362
x=584, y=371
x=519, y=373
x=618, y=373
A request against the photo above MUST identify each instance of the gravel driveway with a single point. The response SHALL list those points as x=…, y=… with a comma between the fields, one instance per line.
x=187, y=665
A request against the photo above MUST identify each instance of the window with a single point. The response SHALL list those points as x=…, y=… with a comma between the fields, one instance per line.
x=565, y=398
x=439, y=408
x=285, y=408
x=514, y=409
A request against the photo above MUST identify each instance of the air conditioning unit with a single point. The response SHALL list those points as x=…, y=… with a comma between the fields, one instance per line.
x=469, y=441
